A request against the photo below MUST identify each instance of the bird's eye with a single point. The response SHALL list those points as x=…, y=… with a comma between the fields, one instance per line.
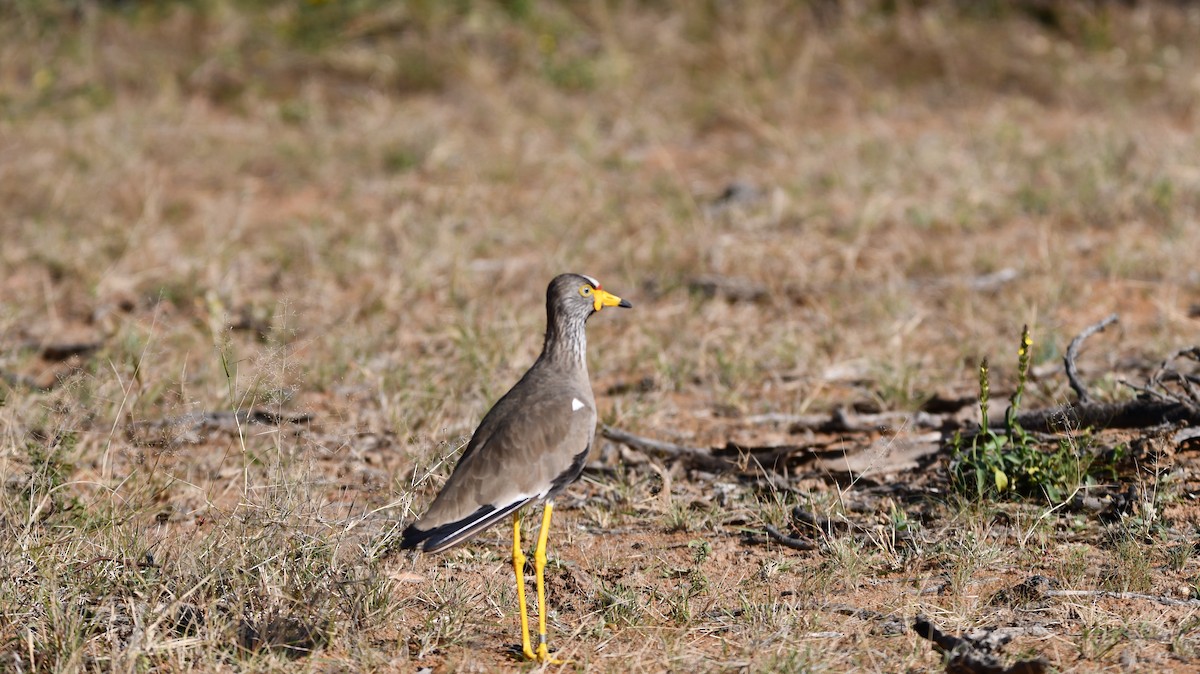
x=585, y=290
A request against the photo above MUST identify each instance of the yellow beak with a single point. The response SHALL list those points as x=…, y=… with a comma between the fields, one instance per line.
x=603, y=298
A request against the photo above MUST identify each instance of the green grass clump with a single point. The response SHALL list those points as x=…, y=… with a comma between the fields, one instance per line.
x=1009, y=462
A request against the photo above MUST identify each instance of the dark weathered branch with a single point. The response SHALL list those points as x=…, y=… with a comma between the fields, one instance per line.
x=845, y=421
x=1166, y=601
x=789, y=542
x=226, y=419
x=731, y=456
x=187, y=427
x=731, y=289
x=1142, y=412
x=1165, y=373
x=49, y=352
x=842, y=420
x=1073, y=352
x=21, y=381
x=696, y=455
x=60, y=351
x=965, y=657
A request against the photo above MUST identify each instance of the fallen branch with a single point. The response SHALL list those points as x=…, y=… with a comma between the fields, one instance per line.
x=843, y=421
x=1165, y=374
x=21, y=381
x=699, y=457
x=60, y=351
x=1178, y=406
x=968, y=657
x=789, y=542
x=1073, y=352
x=187, y=428
x=829, y=456
x=64, y=351
x=31, y=383
x=1141, y=412
x=728, y=288
x=52, y=353
x=1131, y=596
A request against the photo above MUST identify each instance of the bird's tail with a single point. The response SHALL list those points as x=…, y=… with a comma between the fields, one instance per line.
x=451, y=534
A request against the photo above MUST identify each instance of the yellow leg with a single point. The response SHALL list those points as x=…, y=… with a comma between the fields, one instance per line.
x=519, y=567
x=539, y=567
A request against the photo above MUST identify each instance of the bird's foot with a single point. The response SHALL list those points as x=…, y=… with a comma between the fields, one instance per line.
x=543, y=656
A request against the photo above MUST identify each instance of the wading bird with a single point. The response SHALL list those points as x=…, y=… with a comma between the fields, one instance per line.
x=528, y=448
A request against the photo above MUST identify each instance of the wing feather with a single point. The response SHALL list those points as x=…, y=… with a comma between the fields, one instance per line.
x=525, y=447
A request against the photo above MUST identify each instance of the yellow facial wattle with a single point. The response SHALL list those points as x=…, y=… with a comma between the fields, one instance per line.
x=603, y=298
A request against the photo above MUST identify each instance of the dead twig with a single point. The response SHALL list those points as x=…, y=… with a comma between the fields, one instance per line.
x=697, y=456
x=21, y=381
x=1129, y=596
x=789, y=542
x=1073, y=352
x=60, y=351
x=53, y=380
x=728, y=288
x=965, y=656
x=1165, y=373
x=842, y=420
x=1142, y=412
x=51, y=353
x=57, y=352
x=187, y=428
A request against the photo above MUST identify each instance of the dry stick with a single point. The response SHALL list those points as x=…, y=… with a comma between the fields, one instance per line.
x=58, y=351
x=1186, y=381
x=1073, y=351
x=1188, y=384
x=51, y=352
x=227, y=420
x=701, y=457
x=1142, y=412
x=844, y=421
x=966, y=657
x=1137, y=413
x=21, y=381
x=789, y=542
x=1166, y=601
x=732, y=455
x=143, y=432
x=68, y=349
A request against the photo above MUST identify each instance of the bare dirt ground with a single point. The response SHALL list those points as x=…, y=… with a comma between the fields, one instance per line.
x=265, y=265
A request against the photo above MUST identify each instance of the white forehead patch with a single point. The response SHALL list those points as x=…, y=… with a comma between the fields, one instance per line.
x=576, y=404
x=591, y=280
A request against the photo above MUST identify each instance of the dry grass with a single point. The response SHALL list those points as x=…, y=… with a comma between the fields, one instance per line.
x=351, y=209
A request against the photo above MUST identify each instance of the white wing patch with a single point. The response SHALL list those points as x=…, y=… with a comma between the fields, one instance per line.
x=576, y=404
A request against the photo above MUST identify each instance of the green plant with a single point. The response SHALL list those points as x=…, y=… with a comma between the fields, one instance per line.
x=691, y=585
x=1178, y=556
x=1072, y=563
x=1183, y=641
x=49, y=473
x=620, y=604
x=1009, y=462
x=1095, y=642
x=1131, y=569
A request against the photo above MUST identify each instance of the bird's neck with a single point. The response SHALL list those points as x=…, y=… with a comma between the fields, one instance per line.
x=565, y=345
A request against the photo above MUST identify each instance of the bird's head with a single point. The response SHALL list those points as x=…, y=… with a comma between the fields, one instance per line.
x=579, y=296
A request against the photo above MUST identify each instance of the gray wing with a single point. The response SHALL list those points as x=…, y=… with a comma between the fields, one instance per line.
x=532, y=442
